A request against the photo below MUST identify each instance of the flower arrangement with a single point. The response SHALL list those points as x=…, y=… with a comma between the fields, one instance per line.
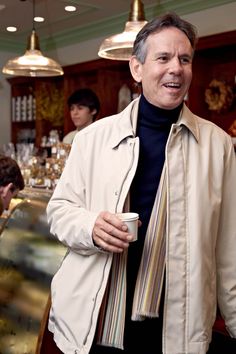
x=50, y=104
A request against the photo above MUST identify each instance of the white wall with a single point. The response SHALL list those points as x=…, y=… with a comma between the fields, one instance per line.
x=211, y=21
x=216, y=20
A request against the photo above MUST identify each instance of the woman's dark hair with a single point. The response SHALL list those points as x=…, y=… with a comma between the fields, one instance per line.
x=10, y=173
x=155, y=26
x=85, y=97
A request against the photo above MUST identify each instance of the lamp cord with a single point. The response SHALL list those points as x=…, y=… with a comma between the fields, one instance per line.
x=33, y=14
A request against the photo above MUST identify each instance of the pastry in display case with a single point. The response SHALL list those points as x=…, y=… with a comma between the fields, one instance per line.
x=29, y=257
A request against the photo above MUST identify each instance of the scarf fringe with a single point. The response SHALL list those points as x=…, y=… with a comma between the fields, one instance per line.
x=111, y=344
x=141, y=316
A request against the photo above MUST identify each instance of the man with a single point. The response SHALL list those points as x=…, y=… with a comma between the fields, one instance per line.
x=84, y=107
x=11, y=181
x=177, y=171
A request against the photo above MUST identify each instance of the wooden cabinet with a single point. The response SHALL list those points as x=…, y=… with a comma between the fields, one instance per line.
x=105, y=77
x=37, y=106
x=22, y=110
x=215, y=58
x=50, y=95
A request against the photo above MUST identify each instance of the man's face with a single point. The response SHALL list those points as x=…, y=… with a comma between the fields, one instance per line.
x=81, y=115
x=167, y=71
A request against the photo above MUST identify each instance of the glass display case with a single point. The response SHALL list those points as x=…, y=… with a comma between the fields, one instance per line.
x=29, y=257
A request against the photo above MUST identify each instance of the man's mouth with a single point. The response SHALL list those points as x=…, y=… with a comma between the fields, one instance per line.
x=172, y=85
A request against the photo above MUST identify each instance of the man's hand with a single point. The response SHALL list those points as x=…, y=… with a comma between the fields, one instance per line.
x=110, y=233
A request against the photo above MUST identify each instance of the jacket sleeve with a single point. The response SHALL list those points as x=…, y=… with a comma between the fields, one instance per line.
x=226, y=246
x=67, y=211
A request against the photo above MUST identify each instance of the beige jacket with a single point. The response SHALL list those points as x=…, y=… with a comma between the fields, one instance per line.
x=201, y=235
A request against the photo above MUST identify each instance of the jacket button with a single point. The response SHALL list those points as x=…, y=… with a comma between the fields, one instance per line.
x=116, y=192
x=174, y=130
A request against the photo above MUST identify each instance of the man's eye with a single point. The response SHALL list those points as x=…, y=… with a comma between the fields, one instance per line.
x=185, y=60
x=163, y=58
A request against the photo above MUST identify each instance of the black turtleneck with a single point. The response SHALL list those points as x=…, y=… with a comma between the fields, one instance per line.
x=153, y=129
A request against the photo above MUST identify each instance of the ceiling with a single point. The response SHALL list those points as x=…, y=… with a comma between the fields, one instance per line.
x=94, y=18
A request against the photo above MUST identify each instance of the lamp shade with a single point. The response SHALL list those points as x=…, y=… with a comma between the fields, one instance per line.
x=120, y=46
x=32, y=63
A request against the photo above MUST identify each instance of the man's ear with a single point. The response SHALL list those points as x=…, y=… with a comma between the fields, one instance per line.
x=136, y=68
x=5, y=189
x=94, y=112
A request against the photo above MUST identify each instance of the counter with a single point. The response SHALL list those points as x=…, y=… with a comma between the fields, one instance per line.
x=29, y=257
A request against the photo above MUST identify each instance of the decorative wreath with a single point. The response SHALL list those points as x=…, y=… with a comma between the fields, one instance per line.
x=232, y=129
x=219, y=96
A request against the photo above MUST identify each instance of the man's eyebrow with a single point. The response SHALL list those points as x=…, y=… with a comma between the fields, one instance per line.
x=168, y=53
x=162, y=53
x=185, y=55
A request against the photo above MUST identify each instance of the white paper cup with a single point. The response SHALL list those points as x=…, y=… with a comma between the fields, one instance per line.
x=131, y=220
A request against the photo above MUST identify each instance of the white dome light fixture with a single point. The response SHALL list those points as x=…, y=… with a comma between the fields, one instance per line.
x=120, y=46
x=33, y=62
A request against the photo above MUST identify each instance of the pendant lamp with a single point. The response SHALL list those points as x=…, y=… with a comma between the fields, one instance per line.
x=33, y=62
x=119, y=46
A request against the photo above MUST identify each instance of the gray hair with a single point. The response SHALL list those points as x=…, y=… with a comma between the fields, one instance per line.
x=155, y=26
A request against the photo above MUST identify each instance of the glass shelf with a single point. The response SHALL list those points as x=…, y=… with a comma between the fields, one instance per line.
x=29, y=257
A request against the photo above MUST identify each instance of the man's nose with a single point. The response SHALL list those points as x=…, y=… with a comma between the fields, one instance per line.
x=175, y=65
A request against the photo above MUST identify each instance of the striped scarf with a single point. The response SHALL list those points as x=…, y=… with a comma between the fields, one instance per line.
x=149, y=283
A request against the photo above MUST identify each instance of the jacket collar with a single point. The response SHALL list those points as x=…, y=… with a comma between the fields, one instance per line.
x=188, y=119
x=126, y=123
x=127, y=127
